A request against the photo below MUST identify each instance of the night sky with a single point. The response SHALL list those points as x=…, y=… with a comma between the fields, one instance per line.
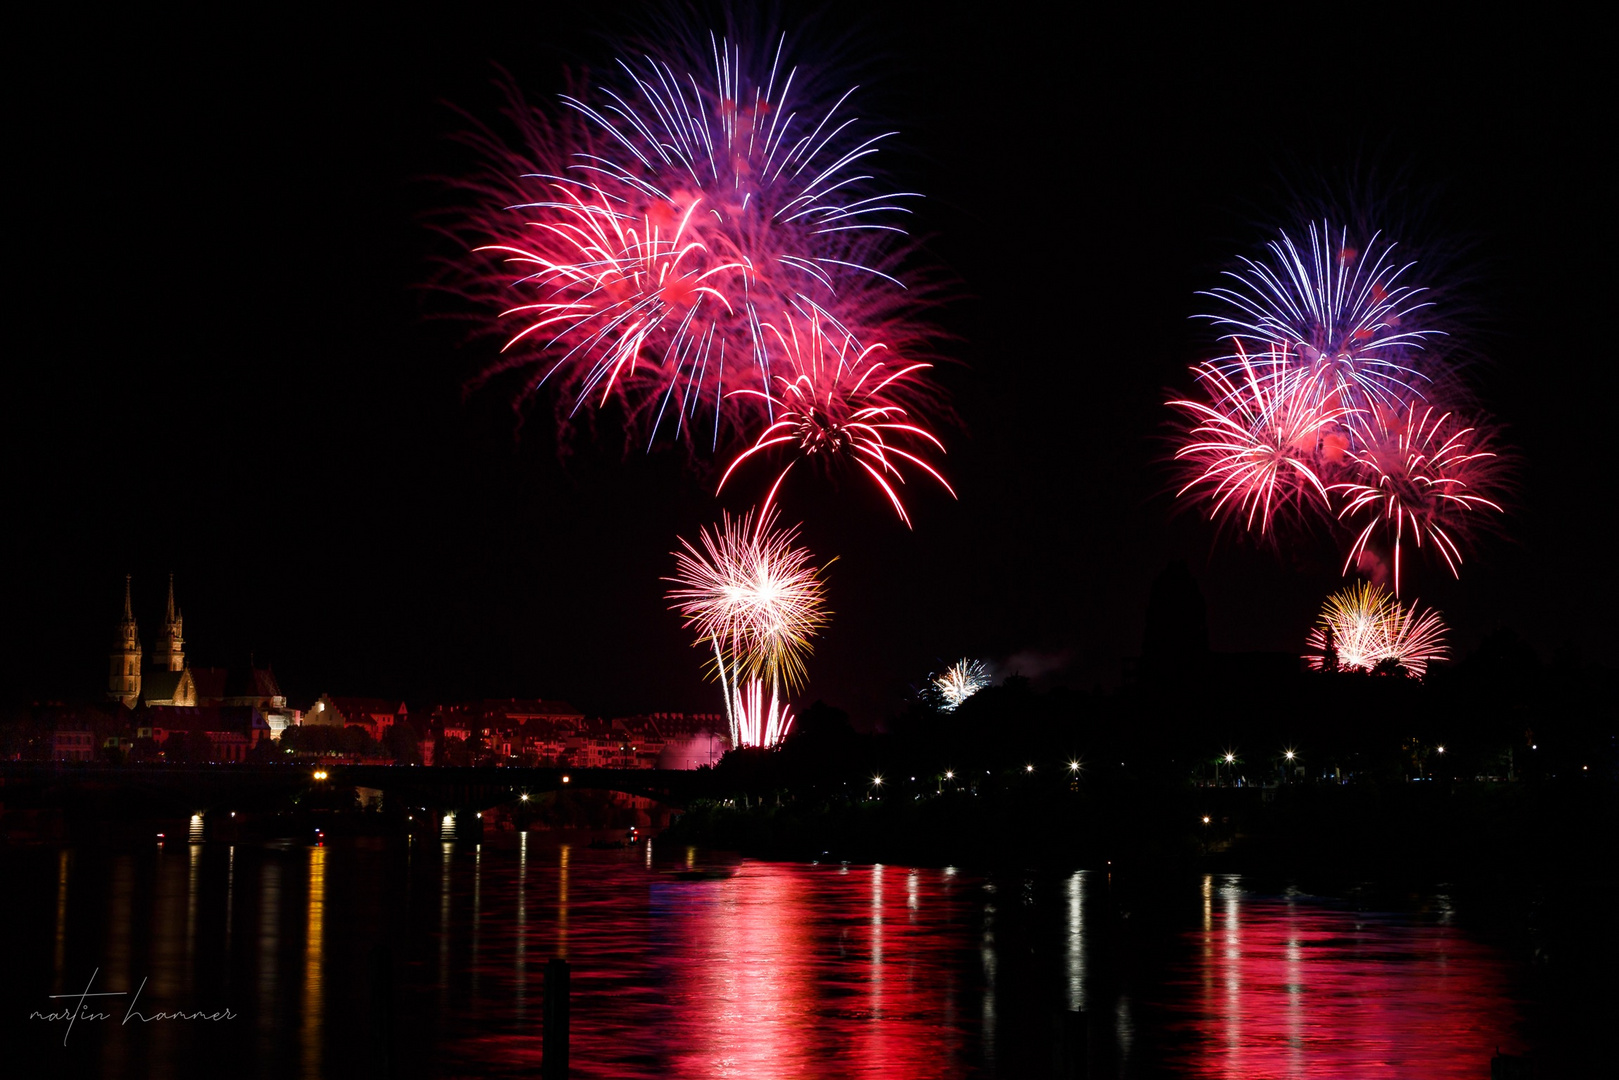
x=223, y=361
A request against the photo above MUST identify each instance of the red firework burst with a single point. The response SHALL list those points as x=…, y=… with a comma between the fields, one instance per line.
x=1262, y=440
x=641, y=241
x=1421, y=475
x=843, y=402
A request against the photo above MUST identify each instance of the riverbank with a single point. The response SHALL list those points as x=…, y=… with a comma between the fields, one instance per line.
x=1433, y=830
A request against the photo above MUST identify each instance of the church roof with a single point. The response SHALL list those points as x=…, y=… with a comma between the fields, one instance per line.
x=160, y=685
x=252, y=683
x=210, y=683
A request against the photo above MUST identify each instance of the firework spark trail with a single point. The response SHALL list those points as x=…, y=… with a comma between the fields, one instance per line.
x=758, y=722
x=1421, y=474
x=1260, y=441
x=842, y=403
x=679, y=213
x=1365, y=628
x=959, y=682
x=757, y=601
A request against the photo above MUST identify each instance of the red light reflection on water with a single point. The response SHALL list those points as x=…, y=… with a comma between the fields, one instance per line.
x=1293, y=987
x=793, y=971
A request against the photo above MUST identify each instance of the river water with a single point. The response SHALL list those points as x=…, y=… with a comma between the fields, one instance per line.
x=686, y=964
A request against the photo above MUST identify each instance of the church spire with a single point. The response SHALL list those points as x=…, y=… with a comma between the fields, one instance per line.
x=171, y=648
x=124, y=668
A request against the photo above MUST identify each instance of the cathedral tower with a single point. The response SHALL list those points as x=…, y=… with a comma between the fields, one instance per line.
x=124, y=677
x=170, y=654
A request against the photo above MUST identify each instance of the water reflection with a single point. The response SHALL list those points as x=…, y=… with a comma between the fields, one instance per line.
x=61, y=922
x=1075, y=890
x=314, y=957
x=743, y=969
x=1295, y=986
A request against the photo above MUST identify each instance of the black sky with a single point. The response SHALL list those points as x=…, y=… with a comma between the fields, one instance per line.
x=222, y=361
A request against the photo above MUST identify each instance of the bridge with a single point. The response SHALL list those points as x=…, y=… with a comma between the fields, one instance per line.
x=454, y=795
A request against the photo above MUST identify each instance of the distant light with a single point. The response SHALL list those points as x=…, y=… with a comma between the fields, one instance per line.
x=565, y=779
x=877, y=780
x=1441, y=749
x=525, y=796
x=233, y=813
x=1205, y=819
x=1534, y=746
x=1289, y=755
x=1028, y=768
x=949, y=775
x=1230, y=758
x=1073, y=766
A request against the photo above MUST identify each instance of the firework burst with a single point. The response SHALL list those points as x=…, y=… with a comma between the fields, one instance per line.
x=1320, y=408
x=1350, y=322
x=1260, y=441
x=756, y=600
x=959, y=682
x=1365, y=628
x=843, y=403
x=667, y=218
x=1422, y=477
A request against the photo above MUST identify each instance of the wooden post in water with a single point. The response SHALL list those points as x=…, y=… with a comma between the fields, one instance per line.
x=554, y=1063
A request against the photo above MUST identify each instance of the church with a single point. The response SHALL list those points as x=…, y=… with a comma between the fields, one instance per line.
x=167, y=680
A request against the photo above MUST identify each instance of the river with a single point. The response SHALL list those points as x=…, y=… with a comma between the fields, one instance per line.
x=690, y=964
